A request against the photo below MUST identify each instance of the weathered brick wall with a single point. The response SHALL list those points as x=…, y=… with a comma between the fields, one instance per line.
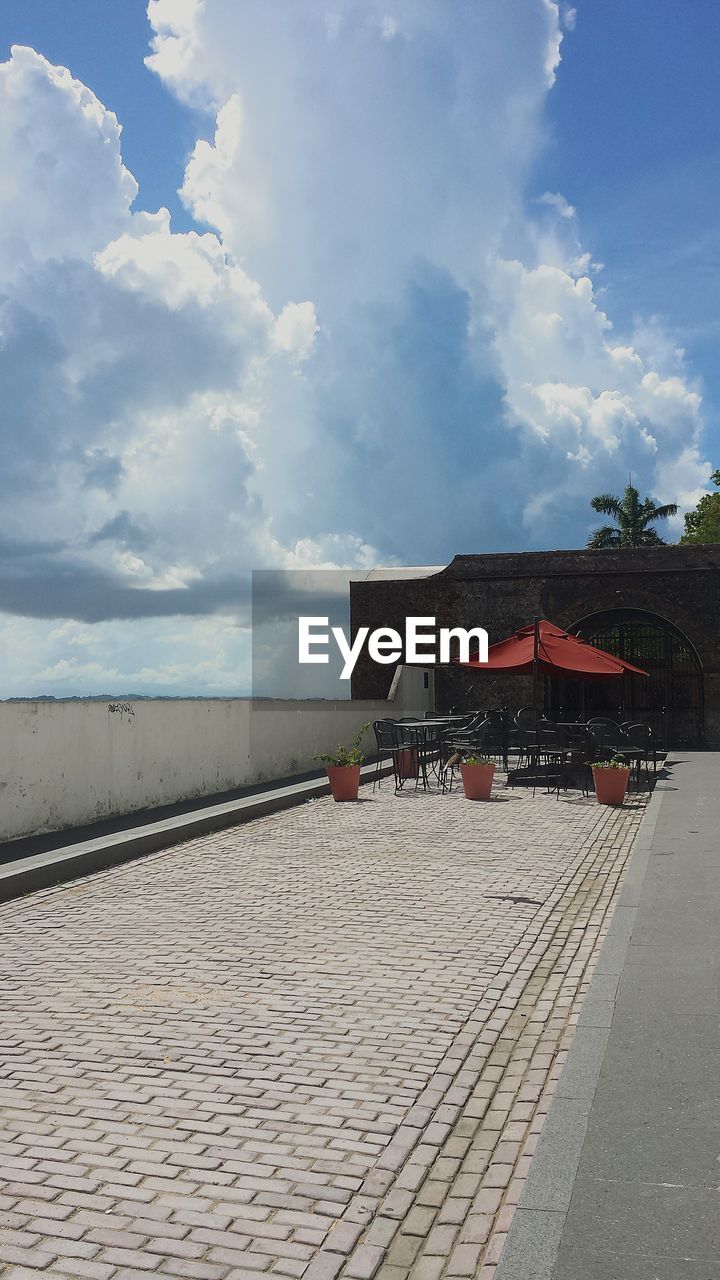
x=503, y=592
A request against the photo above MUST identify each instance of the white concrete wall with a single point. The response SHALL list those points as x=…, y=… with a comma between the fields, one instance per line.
x=66, y=764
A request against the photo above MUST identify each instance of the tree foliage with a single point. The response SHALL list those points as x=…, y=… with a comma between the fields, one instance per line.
x=633, y=520
x=703, y=524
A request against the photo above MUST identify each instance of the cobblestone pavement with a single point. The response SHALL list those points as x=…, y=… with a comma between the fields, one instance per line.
x=321, y=1044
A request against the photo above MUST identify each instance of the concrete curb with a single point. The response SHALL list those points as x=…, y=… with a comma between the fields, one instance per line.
x=533, y=1242
x=57, y=866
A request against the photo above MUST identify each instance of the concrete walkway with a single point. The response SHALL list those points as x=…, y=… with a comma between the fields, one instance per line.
x=625, y=1184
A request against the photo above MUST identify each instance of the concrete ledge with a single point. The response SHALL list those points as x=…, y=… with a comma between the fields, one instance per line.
x=69, y=862
x=531, y=1249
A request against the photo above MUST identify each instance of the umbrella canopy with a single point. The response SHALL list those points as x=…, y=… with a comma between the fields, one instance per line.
x=558, y=653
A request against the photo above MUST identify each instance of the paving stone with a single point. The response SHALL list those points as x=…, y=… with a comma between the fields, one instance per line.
x=382, y=1232
x=192, y=1270
x=464, y=1260
x=441, y=1240
x=27, y=1257
x=454, y=1209
x=24, y=1273
x=477, y=1228
x=343, y=1237
x=427, y=1269
x=404, y=1250
x=364, y=1262
x=129, y=1258
x=82, y=1269
x=325, y=1266
x=336, y=1077
x=418, y=1222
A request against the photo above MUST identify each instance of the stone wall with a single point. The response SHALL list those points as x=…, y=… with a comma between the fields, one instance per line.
x=503, y=592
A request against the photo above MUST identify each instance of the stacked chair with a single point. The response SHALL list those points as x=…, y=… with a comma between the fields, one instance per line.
x=459, y=743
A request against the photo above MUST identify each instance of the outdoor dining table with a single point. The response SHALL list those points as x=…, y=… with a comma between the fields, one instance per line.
x=428, y=734
x=430, y=722
x=574, y=728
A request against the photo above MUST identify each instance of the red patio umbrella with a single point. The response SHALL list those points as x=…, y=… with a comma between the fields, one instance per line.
x=544, y=647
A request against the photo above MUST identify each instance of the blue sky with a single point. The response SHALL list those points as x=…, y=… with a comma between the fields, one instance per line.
x=634, y=146
x=458, y=260
x=103, y=42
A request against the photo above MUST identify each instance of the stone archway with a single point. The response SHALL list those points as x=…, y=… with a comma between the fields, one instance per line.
x=671, y=700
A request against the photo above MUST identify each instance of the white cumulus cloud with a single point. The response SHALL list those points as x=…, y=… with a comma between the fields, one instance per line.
x=380, y=342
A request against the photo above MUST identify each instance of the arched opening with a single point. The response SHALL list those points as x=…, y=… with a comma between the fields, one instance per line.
x=671, y=700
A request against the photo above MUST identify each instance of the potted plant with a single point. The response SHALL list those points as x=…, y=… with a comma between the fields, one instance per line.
x=611, y=780
x=343, y=767
x=477, y=777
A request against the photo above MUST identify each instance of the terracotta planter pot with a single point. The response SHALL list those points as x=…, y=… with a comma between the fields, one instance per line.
x=610, y=785
x=477, y=780
x=407, y=764
x=344, y=780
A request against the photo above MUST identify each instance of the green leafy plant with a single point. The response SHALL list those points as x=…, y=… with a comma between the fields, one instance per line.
x=703, y=524
x=477, y=760
x=616, y=763
x=345, y=756
x=633, y=520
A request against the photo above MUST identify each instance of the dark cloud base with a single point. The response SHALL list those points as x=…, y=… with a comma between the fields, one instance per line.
x=85, y=594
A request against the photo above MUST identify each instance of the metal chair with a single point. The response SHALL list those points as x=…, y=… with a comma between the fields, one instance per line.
x=640, y=737
x=385, y=739
x=564, y=758
x=497, y=737
x=611, y=742
x=526, y=718
x=606, y=735
x=395, y=742
x=458, y=745
x=604, y=722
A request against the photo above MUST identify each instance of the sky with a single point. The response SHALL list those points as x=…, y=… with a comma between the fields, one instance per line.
x=334, y=283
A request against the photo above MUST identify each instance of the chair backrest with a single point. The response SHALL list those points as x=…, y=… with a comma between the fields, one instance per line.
x=607, y=735
x=385, y=734
x=525, y=718
x=497, y=732
x=477, y=737
x=473, y=723
x=495, y=718
x=638, y=734
x=407, y=734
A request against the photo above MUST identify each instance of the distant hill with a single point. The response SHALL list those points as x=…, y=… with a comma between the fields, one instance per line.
x=137, y=697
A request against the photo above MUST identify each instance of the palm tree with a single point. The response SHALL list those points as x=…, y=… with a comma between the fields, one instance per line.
x=633, y=520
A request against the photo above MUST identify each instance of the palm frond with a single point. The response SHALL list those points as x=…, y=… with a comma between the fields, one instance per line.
x=603, y=538
x=662, y=513
x=607, y=504
x=651, y=538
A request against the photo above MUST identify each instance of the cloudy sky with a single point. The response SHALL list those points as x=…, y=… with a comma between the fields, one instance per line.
x=334, y=283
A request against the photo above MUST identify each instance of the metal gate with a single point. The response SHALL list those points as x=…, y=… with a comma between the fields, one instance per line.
x=671, y=700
